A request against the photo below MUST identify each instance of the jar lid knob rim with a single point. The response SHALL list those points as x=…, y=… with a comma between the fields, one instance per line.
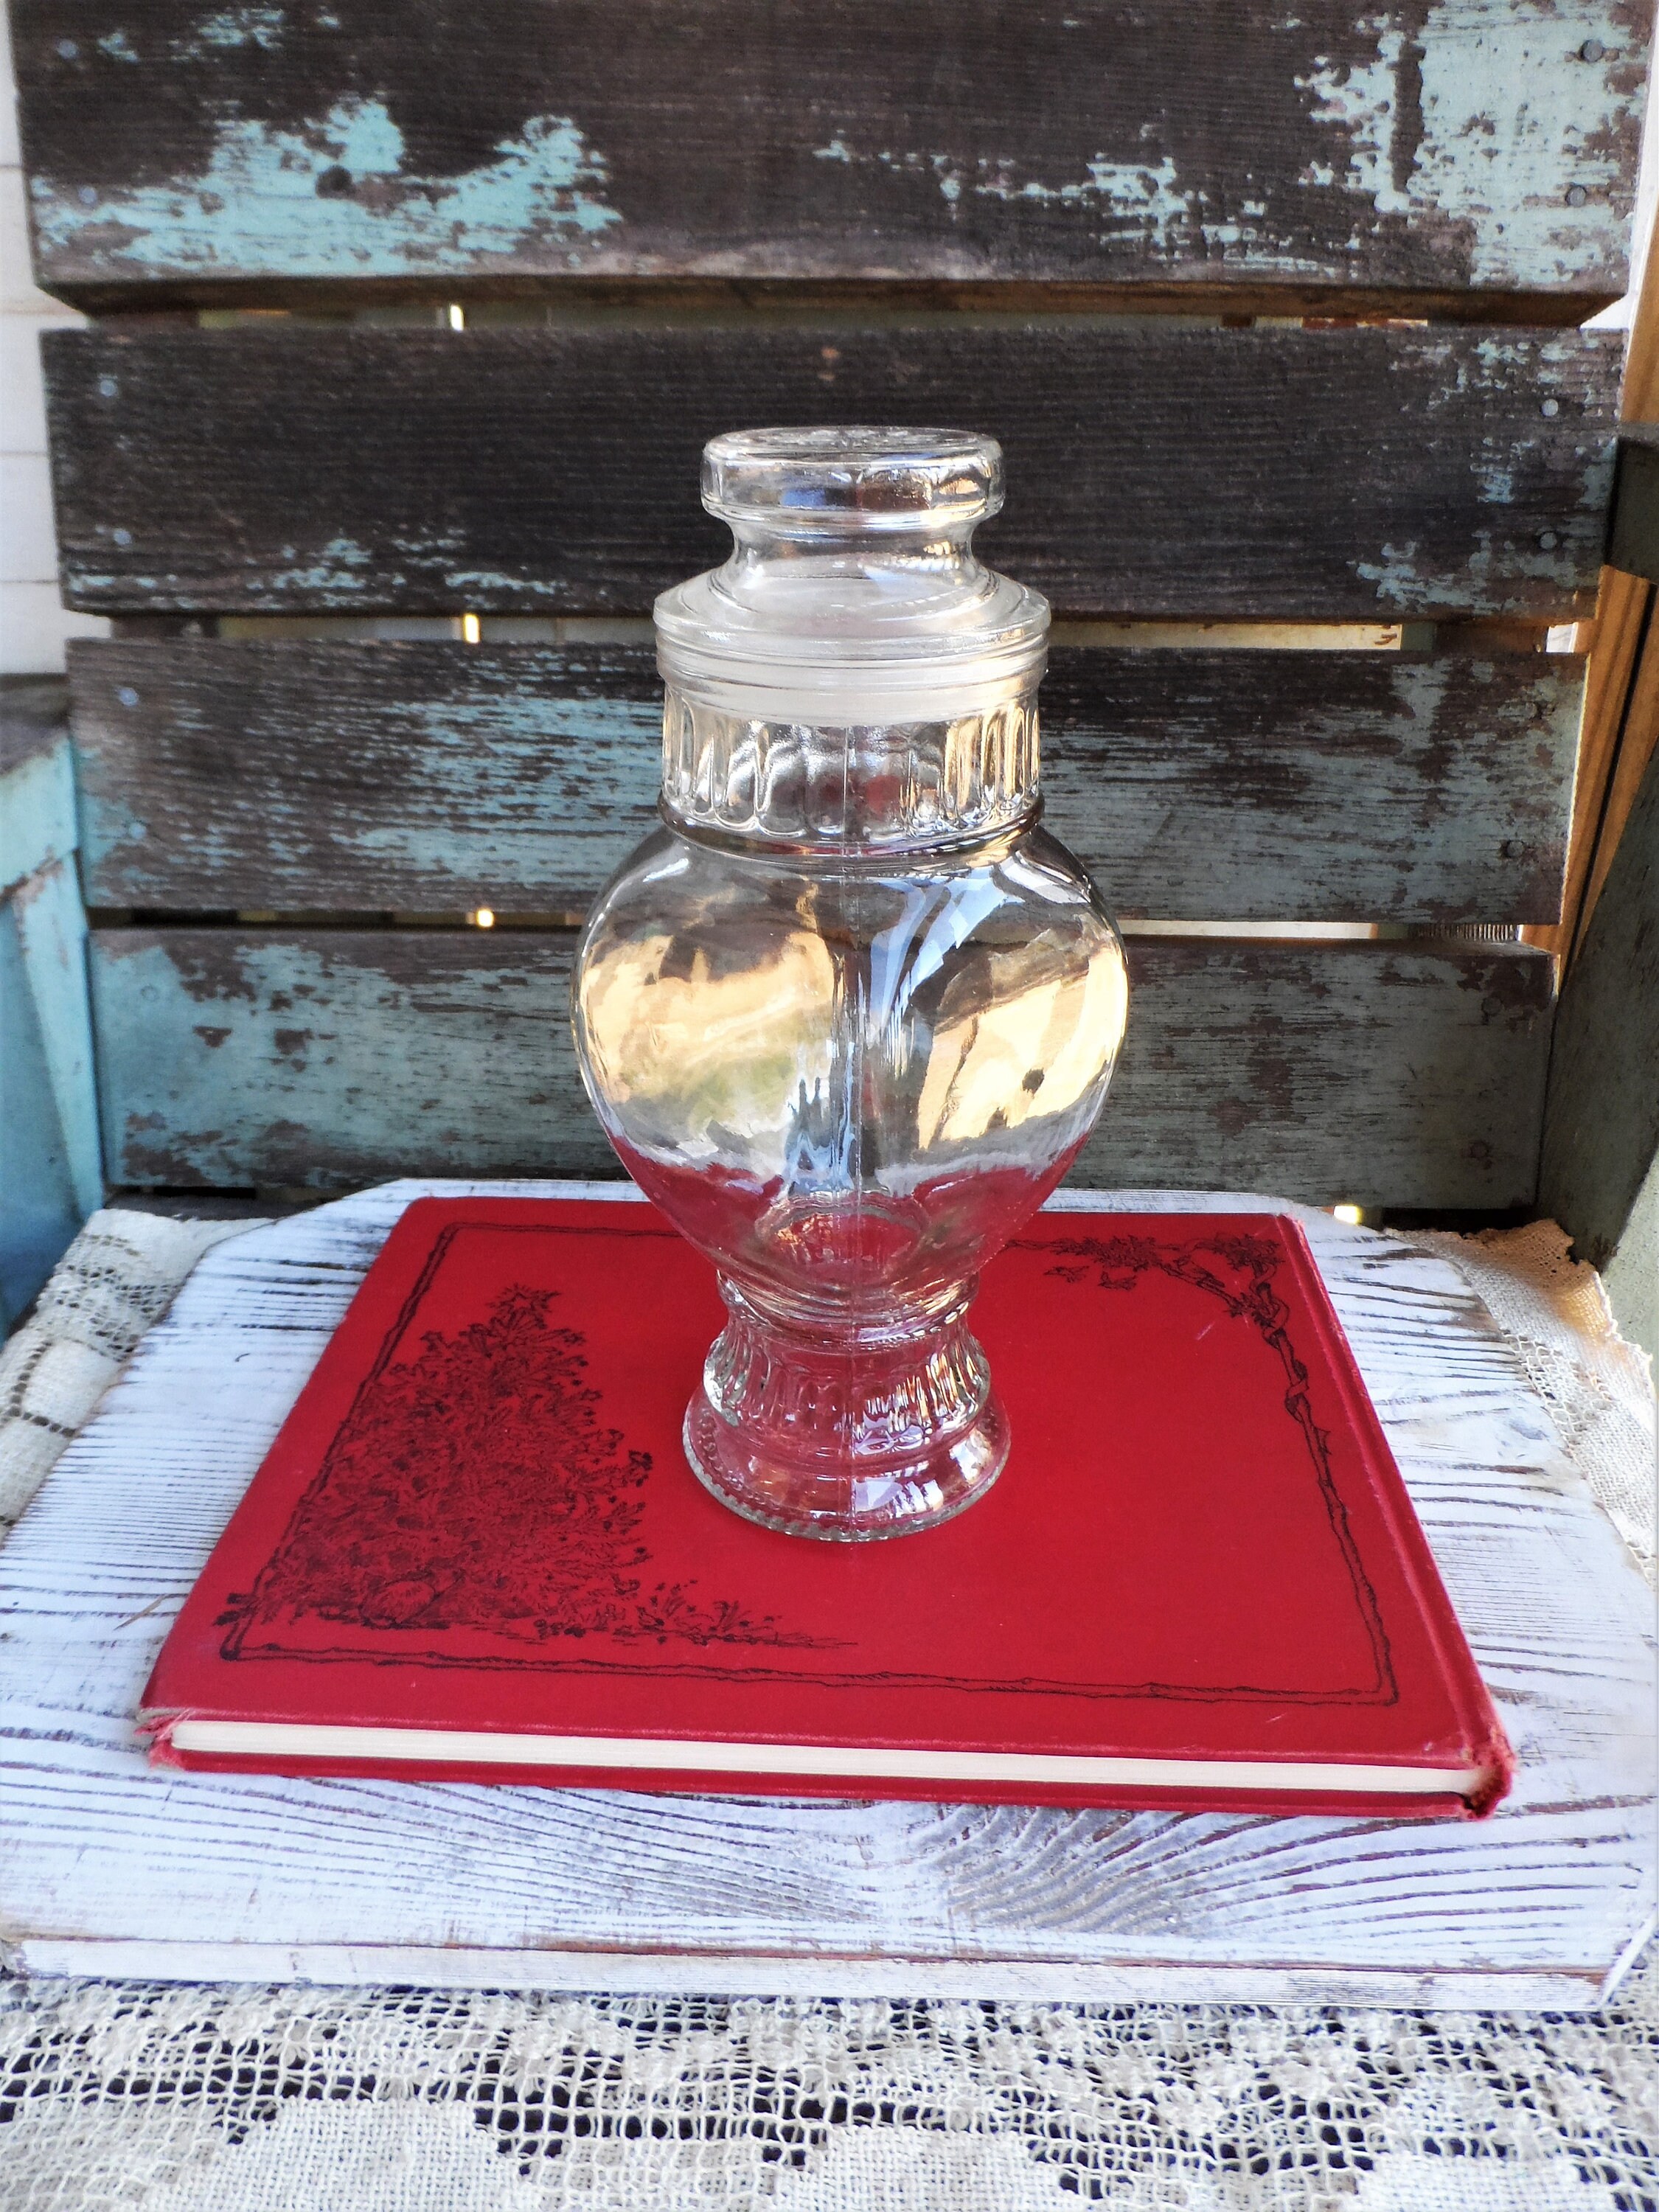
x=853, y=477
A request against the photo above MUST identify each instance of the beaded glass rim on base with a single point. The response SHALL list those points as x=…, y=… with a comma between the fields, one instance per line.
x=703, y=1426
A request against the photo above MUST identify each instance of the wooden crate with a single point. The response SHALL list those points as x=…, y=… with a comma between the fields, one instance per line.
x=410, y=312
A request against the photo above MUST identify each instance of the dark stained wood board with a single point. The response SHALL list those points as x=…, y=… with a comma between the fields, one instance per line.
x=1152, y=470
x=32, y=711
x=431, y=779
x=1601, y=1132
x=1473, y=144
x=1403, y=1075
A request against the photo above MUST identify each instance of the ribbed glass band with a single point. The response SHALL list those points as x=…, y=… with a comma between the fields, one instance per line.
x=874, y=787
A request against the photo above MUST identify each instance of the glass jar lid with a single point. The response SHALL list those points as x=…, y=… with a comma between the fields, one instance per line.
x=851, y=595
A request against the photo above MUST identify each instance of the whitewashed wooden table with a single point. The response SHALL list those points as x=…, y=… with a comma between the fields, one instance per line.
x=110, y=1867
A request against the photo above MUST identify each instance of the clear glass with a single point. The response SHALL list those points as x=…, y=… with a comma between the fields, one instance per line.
x=849, y=1016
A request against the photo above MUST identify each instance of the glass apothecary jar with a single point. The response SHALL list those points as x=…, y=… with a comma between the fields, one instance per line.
x=849, y=1014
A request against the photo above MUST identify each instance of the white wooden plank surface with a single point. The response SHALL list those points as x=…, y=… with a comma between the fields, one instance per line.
x=107, y=1866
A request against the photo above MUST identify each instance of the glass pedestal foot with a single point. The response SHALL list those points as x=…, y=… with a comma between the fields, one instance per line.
x=848, y=1442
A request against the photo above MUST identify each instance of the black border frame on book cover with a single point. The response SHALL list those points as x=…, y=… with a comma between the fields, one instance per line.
x=1119, y=1261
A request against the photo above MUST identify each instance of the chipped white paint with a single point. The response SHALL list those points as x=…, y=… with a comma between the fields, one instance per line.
x=334, y=198
x=107, y=1866
x=1502, y=130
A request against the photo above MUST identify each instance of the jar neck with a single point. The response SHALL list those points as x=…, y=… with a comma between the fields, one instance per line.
x=782, y=548
x=871, y=788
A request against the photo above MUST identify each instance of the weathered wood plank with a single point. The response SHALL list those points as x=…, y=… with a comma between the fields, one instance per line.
x=1152, y=470
x=37, y=776
x=434, y=778
x=107, y=1866
x=50, y=925
x=32, y=709
x=1396, y=1074
x=39, y=1212
x=1602, y=1129
x=50, y=1174
x=1472, y=144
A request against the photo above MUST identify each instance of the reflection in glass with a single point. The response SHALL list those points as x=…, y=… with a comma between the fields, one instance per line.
x=849, y=1015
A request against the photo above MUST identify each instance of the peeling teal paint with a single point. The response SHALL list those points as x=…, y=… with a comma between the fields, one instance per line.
x=39, y=1214
x=368, y=143
x=1563, y=564
x=487, y=584
x=118, y=47
x=531, y=721
x=461, y=857
x=341, y=567
x=37, y=813
x=333, y=198
x=54, y=1176
x=1502, y=118
x=306, y=1061
x=238, y=27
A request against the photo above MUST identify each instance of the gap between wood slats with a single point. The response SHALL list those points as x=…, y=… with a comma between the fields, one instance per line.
x=1465, y=635
x=562, y=630
x=646, y=302
x=557, y=924
x=553, y=471
x=505, y=302
x=640, y=305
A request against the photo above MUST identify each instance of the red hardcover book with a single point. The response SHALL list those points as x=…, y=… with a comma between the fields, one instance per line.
x=475, y=1550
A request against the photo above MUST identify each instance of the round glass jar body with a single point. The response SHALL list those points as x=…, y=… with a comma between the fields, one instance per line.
x=847, y=1018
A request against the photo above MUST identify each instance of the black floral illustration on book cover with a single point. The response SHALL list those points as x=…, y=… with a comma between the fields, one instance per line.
x=475, y=1488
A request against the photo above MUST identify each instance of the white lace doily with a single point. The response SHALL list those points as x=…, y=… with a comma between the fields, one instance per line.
x=233, y=2098
x=230, y=2099
x=1599, y=1388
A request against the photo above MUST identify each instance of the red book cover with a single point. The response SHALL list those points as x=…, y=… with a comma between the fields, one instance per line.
x=475, y=1550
